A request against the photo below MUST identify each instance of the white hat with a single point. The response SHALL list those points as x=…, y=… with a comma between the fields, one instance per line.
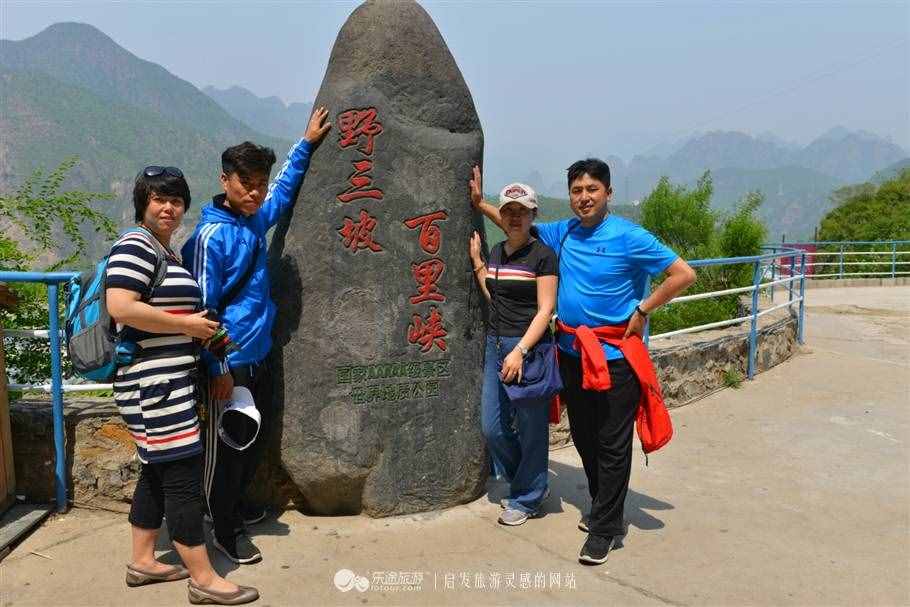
x=520, y=193
x=239, y=423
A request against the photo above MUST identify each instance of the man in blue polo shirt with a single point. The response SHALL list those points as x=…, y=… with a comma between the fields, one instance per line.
x=605, y=263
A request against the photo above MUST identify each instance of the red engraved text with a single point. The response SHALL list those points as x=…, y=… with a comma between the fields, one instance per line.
x=359, y=235
x=360, y=181
x=356, y=124
x=426, y=274
x=430, y=234
x=427, y=332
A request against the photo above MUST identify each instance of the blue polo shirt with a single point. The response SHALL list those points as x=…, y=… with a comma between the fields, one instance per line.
x=603, y=271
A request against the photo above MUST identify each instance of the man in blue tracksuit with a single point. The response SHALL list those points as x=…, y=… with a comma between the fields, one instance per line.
x=227, y=256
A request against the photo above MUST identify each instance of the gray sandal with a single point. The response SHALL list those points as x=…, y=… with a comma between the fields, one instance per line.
x=204, y=596
x=138, y=577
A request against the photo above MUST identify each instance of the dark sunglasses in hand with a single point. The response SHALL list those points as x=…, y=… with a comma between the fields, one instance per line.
x=155, y=170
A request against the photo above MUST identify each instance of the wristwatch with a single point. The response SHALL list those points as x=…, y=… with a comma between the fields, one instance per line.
x=523, y=350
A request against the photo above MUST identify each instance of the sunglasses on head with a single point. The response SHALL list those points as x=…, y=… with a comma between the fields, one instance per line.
x=155, y=170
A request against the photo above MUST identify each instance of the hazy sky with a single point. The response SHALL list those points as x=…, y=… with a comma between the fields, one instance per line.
x=598, y=77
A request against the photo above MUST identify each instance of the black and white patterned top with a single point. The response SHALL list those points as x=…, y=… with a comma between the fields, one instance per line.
x=156, y=393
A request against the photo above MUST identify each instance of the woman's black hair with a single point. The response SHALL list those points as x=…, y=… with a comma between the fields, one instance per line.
x=164, y=184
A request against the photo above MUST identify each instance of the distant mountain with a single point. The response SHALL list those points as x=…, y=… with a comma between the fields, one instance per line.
x=71, y=90
x=796, y=198
x=43, y=121
x=267, y=115
x=84, y=56
x=849, y=157
x=890, y=172
x=796, y=180
x=780, y=142
x=723, y=150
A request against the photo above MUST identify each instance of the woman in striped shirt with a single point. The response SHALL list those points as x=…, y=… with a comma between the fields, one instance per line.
x=520, y=283
x=156, y=390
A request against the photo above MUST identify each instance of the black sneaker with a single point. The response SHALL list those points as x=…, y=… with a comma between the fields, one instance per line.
x=253, y=514
x=239, y=549
x=596, y=550
x=584, y=522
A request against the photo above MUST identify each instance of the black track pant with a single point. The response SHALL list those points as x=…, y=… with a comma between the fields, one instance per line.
x=601, y=424
x=228, y=472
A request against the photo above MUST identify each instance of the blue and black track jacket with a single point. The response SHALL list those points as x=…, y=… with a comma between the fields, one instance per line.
x=220, y=251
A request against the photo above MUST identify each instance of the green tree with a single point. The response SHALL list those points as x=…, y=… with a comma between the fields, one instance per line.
x=871, y=213
x=847, y=193
x=38, y=222
x=683, y=219
x=741, y=234
x=43, y=215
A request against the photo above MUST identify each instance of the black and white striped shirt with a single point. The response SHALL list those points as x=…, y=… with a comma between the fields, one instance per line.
x=156, y=394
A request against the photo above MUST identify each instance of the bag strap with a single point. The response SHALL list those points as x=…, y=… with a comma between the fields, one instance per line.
x=241, y=284
x=161, y=255
x=571, y=227
x=502, y=251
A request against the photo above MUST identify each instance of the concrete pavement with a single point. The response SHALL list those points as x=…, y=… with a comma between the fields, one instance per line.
x=792, y=490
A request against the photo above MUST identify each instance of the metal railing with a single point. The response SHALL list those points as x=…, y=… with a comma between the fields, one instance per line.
x=760, y=269
x=53, y=280
x=894, y=255
x=56, y=386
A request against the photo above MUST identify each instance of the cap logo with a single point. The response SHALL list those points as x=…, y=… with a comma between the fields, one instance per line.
x=515, y=192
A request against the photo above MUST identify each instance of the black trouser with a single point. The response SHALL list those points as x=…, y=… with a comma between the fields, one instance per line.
x=228, y=471
x=601, y=424
x=170, y=489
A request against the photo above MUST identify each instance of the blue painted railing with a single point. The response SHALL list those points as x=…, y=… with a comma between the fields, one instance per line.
x=759, y=263
x=53, y=280
x=886, y=254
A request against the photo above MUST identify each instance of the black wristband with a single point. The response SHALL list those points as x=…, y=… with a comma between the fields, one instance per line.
x=640, y=311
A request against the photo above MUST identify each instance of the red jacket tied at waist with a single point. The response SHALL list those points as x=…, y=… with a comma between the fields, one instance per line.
x=652, y=420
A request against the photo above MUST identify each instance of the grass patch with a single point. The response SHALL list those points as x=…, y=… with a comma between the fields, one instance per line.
x=733, y=378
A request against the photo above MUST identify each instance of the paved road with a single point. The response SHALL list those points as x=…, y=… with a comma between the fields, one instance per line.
x=793, y=490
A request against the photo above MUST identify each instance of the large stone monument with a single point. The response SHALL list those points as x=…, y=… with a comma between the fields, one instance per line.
x=378, y=339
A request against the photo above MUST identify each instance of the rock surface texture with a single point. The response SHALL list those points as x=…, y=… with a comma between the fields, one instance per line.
x=378, y=343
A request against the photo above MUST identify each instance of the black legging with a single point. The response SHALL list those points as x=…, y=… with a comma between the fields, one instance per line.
x=172, y=490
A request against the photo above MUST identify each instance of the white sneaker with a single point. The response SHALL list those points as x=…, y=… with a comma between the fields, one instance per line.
x=513, y=517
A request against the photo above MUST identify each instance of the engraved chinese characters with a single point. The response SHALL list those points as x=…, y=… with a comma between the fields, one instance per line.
x=379, y=359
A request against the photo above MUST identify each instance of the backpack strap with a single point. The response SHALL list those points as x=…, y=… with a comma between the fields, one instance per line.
x=160, y=260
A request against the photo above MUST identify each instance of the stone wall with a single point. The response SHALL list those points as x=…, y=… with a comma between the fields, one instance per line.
x=101, y=459
x=103, y=469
